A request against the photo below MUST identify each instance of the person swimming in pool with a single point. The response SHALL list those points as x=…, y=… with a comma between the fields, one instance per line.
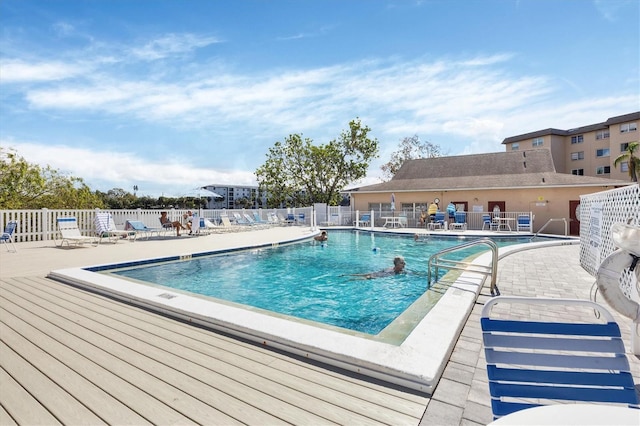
x=398, y=268
x=322, y=237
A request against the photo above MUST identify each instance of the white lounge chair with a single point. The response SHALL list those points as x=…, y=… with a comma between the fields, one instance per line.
x=7, y=235
x=68, y=227
x=106, y=228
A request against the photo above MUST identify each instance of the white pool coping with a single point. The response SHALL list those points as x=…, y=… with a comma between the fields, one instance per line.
x=417, y=363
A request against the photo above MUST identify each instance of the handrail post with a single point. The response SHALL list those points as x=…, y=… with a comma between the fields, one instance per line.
x=494, y=261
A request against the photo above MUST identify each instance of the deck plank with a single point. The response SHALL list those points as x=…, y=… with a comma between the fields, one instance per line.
x=246, y=382
x=24, y=408
x=53, y=398
x=394, y=407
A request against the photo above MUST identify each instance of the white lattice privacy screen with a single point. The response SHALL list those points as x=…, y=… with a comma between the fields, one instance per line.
x=597, y=213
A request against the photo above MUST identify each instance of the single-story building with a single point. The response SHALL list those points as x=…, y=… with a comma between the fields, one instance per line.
x=506, y=182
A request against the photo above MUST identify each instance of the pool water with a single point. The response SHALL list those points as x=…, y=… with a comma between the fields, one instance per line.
x=315, y=281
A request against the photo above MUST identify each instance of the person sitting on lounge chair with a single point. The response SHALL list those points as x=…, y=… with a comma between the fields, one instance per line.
x=188, y=219
x=166, y=223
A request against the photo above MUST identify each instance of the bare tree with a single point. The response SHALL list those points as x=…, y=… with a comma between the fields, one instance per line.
x=410, y=148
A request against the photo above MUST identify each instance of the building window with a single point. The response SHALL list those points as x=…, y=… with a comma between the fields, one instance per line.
x=602, y=134
x=579, y=172
x=577, y=155
x=577, y=139
x=515, y=146
x=624, y=146
x=628, y=127
x=604, y=152
x=603, y=170
x=537, y=142
x=624, y=166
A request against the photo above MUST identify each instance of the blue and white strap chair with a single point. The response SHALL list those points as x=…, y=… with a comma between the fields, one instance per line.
x=7, y=235
x=438, y=221
x=524, y=223
x=460, y=221
x=533, y=363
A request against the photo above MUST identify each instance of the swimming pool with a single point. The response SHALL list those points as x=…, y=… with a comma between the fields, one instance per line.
x=315, y=281
x=412, y=352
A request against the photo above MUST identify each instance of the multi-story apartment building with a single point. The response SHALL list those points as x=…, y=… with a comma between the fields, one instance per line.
x=236, y=197
x=589, y=150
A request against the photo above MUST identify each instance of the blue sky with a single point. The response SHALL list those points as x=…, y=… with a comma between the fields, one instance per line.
x=173, y=95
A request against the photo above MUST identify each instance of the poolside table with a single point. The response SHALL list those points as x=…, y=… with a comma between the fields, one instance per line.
x=392, y=221
x=504, y=223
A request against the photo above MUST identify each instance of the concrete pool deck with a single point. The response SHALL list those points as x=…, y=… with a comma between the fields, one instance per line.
x=460, y=397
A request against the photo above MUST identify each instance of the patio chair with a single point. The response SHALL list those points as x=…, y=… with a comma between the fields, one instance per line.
x=140, y=228
x=524, y=223
x=365, y=220
x=487, y=221
x=438, y=222
x=68, y=227
x=460, y=221
x=533, y=363
x=106, y=228
x=289, y=220
x=7, y=235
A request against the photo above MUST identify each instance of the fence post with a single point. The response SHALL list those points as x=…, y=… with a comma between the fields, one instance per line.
x=46, y=220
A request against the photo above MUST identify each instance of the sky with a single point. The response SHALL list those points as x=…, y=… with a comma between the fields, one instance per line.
x=173, y=95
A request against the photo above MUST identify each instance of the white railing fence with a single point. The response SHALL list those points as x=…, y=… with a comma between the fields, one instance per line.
x=40, y=225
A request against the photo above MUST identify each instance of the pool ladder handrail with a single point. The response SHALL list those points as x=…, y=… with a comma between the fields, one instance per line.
x=437, y=262
x=562, y=219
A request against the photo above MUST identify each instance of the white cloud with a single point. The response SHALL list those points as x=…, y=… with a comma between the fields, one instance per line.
x=16, y=71
x=118, y=169
x=172, y=44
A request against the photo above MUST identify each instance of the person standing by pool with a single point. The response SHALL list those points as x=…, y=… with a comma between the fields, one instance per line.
x=451, y=212
x=433, y=209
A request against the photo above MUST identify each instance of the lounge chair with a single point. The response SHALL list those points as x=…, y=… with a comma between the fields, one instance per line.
x=524, y=223
x=228, y=226
x=68, y=227
x=365, y=220
x=438, y=222
x=259, y=220
x=274, y=219
x=289, y=220
x=460, y=221
x=7, y=235
x=240, y=220
x=106, y=228
x=532, y=363
x=140, y=228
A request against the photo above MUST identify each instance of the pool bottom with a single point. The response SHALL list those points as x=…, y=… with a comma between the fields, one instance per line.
x=416, y=363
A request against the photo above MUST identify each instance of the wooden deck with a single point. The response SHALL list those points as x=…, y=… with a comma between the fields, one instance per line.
x=68, y=356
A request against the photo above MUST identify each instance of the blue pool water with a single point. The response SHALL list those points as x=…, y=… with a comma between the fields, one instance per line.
x=314, y=281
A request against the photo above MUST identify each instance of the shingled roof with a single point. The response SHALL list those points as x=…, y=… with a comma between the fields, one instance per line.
x=498, y=170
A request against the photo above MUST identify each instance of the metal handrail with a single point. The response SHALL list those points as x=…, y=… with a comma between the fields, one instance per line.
x=437, y=262
x=562, y=219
